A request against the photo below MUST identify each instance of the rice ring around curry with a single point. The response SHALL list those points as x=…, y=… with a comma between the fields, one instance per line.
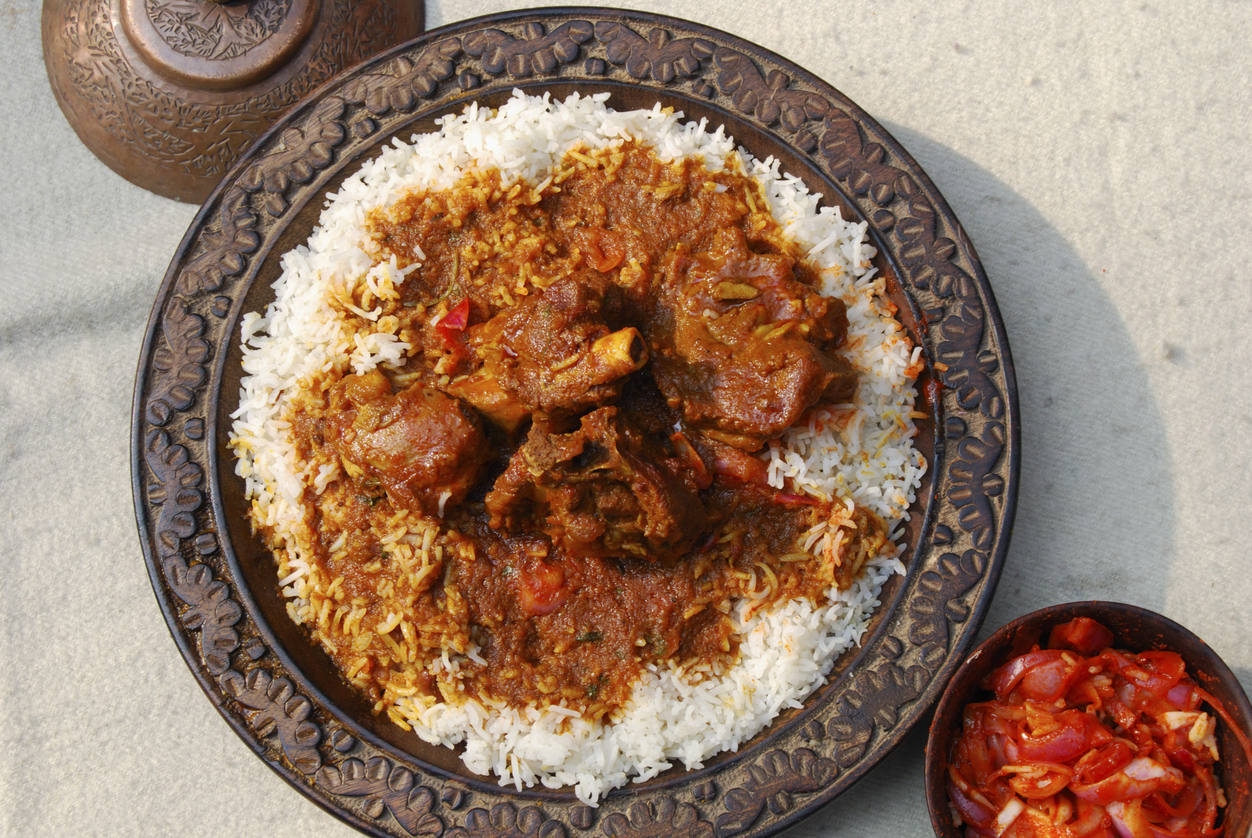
x=582, y=438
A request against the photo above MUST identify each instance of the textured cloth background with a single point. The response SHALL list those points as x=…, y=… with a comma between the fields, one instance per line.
x=1098, y=154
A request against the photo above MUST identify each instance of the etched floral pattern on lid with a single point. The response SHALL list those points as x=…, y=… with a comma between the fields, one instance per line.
x=168, y=93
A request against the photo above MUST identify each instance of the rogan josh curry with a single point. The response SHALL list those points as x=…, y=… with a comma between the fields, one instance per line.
x=560, y=483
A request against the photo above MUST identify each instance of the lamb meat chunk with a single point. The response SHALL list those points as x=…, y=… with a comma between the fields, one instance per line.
x=557, y=353
x=742, y=346
x=605, y=489
x=423, y=447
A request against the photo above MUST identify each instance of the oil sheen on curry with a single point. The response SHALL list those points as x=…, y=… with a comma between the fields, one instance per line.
x=564, y=473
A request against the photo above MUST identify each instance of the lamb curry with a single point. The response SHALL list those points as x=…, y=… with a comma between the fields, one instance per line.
x=562, y=483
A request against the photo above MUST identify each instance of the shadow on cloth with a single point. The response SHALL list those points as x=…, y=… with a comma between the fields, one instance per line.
x=1093, y=447
x=1094, y=451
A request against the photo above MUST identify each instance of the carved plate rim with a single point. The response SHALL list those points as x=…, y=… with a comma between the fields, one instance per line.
x=972, y=504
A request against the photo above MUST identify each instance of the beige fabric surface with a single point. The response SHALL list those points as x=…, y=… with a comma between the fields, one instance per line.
x=1098, y=154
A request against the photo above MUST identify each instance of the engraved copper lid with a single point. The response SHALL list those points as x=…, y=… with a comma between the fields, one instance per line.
x=168, y=93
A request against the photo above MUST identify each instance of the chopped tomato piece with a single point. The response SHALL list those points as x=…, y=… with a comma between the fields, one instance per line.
x=1097, y=764
x=541, y=587
x=1082, y=635
x=456, y=319
x=451, y=328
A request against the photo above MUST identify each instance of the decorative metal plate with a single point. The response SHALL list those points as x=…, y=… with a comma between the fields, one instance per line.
x=216, y=584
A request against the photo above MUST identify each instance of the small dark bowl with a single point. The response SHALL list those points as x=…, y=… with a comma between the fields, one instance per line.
x=1135, y=629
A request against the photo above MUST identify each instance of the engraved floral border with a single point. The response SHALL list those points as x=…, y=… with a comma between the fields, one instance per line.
x=763, y=789
x=149, y=122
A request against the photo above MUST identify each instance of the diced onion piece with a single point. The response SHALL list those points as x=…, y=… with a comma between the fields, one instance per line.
x=1117, y=811
x=1149, y=769
x=1183, y=696
x=968, y=800
x=1178, y=719
x=1008, y=814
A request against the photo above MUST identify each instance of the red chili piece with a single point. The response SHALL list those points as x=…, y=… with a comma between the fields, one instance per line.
x=740, y=467
x=451, y=328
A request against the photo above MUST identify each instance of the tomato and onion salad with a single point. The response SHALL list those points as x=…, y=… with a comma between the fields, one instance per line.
x=1086, y=741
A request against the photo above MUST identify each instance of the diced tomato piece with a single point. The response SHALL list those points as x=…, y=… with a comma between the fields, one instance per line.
x=1098, y=764
x=452, y=331
x=1165, y=668
x=451, y=328
x=456, y=319
x=541, y=587
x=1082, y=635
x=1073, y=734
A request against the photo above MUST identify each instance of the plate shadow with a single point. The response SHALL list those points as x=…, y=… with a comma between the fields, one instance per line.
x=1094, y=452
